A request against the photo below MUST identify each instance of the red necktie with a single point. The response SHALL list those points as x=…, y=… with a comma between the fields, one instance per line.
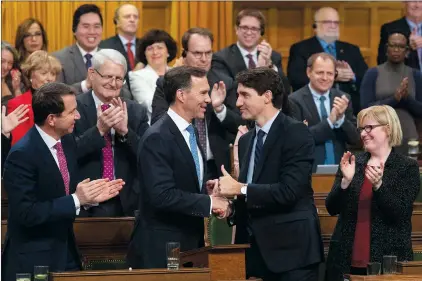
x=130, y=56
x=251, y=63
x=63, y=166
x=108, y=163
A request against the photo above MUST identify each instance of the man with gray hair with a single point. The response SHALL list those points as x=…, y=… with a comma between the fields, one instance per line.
x=109, y=132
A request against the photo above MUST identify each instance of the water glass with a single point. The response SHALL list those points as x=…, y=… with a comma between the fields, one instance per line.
x=173, y=252
x=40, y=273
x=373, y=268
x=23, y=276
x=389, y=264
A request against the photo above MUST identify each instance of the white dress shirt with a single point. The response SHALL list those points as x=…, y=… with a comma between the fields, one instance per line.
x=51, y=142
x=244, y=53
x=327, y=106
x=83, y=53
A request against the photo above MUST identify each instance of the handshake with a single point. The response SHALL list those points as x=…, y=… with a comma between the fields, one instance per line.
x=221, y=189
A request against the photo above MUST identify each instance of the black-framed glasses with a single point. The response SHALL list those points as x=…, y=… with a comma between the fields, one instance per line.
x=199, y=55
x=110, y=78
x=253, y=29
x=329, y=22
x=397, y=46
x=36, y=34
x=369, y=128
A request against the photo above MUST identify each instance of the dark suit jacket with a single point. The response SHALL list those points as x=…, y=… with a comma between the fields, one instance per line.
x=115, y=43
x=387, y=29
x=6, y=144
x=280, y=202
x=321, y=130
x=220, y=134
x=41, y=215
x=301, y=51
x=90, y=144
x=391, y=213
x=172, y=207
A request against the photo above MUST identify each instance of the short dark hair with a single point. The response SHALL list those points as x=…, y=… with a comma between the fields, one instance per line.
x=263, y=79
x=322, y=55
x=49, y=100
x=20, y=36
x=396, y=31
x=180, y=78
x=195, y=30
x=82, y=10
x=252, y=13
x=156, y=36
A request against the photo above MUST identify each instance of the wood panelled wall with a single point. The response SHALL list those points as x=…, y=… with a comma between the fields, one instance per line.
x=288, y=21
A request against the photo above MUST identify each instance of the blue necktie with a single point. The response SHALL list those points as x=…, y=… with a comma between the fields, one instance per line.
x=194, y=152
x=329, y=147
x=258, y=147
x=331, y=50
x=88, y=63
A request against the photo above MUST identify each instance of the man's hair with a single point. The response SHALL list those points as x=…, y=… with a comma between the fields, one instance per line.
x=263, y=79
x=103, y=55
x=252, y=13
x=49, y=100
x=180, y=78
x=324, y=56
x=195, y=30
x=82, y=10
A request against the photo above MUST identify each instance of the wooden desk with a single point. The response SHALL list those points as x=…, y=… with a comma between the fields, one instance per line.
x=322, y=183
x=194, y=274
x=397, y=277
x=410, y=267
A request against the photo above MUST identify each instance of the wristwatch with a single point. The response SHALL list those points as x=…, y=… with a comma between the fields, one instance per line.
x=122, y=138
x=243, y=189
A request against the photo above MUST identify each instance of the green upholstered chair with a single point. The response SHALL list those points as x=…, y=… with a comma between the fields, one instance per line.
x=219, y=232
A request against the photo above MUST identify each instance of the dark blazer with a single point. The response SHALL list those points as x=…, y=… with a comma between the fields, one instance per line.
x=402, y=26
x=115, y=43
x=321, y=131
x=6, y=144
x=280, y=203
x=90, y=144
x=172, y=207
x=229, y=61
x=220, y=134
x=41, y=215
x=301, y=51
x=391, y=213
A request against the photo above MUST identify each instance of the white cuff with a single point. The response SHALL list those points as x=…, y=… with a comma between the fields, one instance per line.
x=222, y=114
x=77, y=203
x=210, y=205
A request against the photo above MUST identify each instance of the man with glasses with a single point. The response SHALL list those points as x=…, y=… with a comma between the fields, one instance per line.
x=249, y=51
x=350, y=64
x=109, y=132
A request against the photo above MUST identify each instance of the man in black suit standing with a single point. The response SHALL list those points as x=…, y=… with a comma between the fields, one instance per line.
x=274, y=210
x=328, y=111
x=350, y=64
x=109, y=132
x=411, y=27
x=172, y=170
x=248, y=52
x=222, y=118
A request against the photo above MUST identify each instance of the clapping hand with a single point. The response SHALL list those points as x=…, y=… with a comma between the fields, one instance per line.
x=402, y=90
x=11, y=121
x=374, y=174
x=348, y=167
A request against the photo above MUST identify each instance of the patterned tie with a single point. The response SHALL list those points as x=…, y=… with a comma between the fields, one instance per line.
x=329, y=147
x=88, y=62
x=63, y=166
x=108, y=163
x=251, y=63
x=202, y=135
x=258, y=148
x=194, y=151
x=130, y=55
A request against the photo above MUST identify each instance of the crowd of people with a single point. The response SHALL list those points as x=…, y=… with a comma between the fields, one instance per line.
x=108, y=128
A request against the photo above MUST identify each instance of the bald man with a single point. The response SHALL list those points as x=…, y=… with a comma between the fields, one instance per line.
x=350, y=63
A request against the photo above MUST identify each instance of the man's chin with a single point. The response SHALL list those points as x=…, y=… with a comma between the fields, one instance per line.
x=330, y=38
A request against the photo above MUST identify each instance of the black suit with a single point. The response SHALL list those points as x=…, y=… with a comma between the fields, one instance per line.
x=90, y=144
x=41, y=215
x=172, y=207
x=220, y=134
x=321, y=130
x=301, y=51
x=387, y=29
x=279, y=210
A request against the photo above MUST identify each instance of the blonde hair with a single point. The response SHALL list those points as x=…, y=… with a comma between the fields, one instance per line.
x=40, y=60
x=386, y=115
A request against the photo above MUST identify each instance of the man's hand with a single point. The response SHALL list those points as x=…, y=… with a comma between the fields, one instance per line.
x=415, y=40
x=16, y=81
x=111, y=190
x=220, y=207
x=341, y=105
x=264, y=57
x=227, y=186
x=121, y=127
x=96, y=191
x=138, y=66
x=403, y=90
x=344, y=72
x=212, y=187
x=11, y=121
x=108, y=118
x=218, y=95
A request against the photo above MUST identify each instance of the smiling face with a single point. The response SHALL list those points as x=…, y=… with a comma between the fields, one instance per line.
x=65, y=122
x=107, y=81
x=248, y=32
x=6, y=62
x=156, y=54
x=250, y=103
x=195, y=99
x=33, y=40
x=414, y=10
x=377, y=137
x=321, y=75
x=89, y=31
x=41, y=76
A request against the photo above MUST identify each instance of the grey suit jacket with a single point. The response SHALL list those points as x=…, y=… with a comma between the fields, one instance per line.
x=320, y=129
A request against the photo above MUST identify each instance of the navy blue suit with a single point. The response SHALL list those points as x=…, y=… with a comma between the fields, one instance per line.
x=41, y=215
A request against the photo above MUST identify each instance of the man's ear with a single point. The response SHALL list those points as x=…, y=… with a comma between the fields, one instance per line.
x=269, y=96
x=180, y=96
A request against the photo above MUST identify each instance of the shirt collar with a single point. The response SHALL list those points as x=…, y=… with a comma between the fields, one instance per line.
x=83, y=52
x=244, y=52
x=181, y=123
x=97, y=101
x=266, y=128
x=49, y=140
x=325, y=44
x=125, y=41
x=316, y=95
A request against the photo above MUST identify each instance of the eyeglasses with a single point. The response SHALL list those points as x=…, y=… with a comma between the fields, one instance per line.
x=245, y=29
x=119, y=80
x=199, y=55
x=397, y=46
x=36, y=34
x=329, y=22
x=369, y=128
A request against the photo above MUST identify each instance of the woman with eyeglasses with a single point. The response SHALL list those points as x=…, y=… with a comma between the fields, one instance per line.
x=373, y=197
x=155, y=50
x=395, y=84
x=30, y=37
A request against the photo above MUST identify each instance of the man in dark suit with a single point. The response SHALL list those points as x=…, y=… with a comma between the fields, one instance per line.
x=109, y=132
x=222, y=117
x=274, y=210
x=42, y=186
x=327, y=111
x=350, y=63
x=172, y=170
x=411, y=27
x=248, y=52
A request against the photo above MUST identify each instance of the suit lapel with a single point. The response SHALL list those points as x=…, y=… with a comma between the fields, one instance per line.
x=315, y=46
x=341, y=55
x=244, y=167
x=308, y=100
x=238, y=61
x=80, y=68
x=90, y=109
